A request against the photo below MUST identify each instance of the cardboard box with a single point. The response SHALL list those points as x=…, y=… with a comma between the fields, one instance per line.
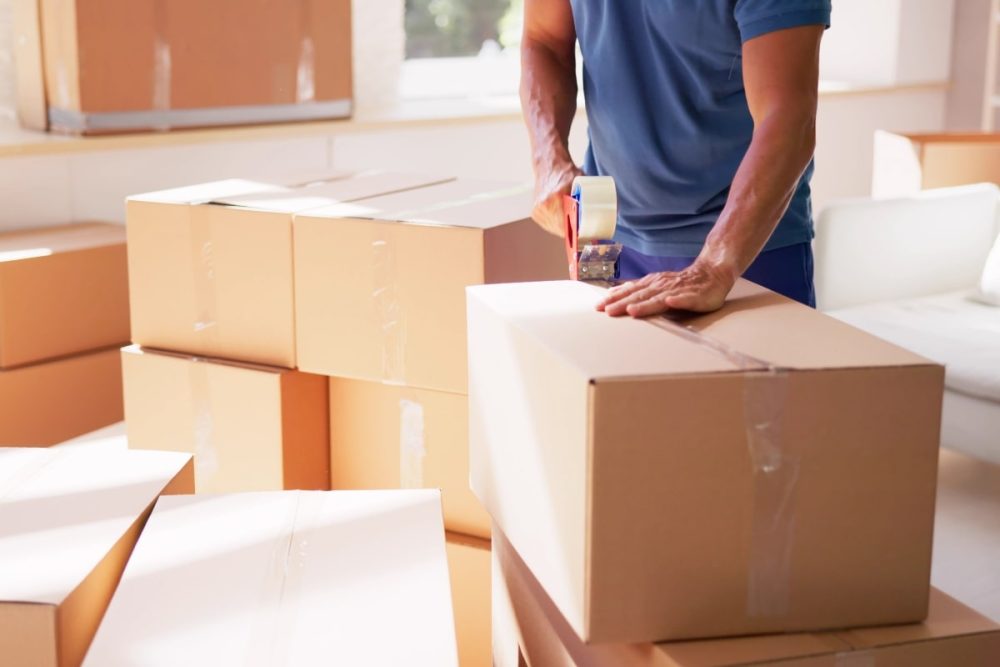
x=526, y=619
x=47, y=403
x=296, y=578
x=250, y=428
x=68, y=521
x=63, y=290
x=387, y=436
x=469, y=565
x=392, y=307
x=905, y=164
x=115, y=65
x=210, y=266
x=764, y=468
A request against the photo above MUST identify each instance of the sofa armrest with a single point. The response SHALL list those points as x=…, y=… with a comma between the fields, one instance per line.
x=881, y=250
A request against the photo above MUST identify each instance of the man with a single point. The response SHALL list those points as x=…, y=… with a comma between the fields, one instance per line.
x=704, y=112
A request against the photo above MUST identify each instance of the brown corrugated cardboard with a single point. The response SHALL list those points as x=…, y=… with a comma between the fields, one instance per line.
x=307, y=578
x=387, y=436
x=392, y=307
x=49, y=402
x=469, y=567
x=525, y=618
x=763, y=468
x=115, y=65
x=68, y=521
x=210, y=266
x=250, y=428
x=908, y=163
x=63, y=290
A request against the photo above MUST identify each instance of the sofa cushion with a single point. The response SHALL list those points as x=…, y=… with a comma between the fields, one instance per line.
x=989, y=284
x=951, y=329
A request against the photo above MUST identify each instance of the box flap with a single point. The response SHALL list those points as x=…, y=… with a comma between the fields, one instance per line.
x=329, y=193
x=63, y=510
x=457, y=203
x=947, y=617
x=297, y=578
x=29, y=243
x=206, y=192
x=756, y=328
x=187, y=358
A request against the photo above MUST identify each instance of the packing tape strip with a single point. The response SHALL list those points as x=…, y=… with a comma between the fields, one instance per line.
x=388, y=308
x=162, y=60
x=855, y=659
x=412, y=449
x=203, y=271
x=274, y=627
x=598, y=199
x=305, y=75
x=775, y=474
x=206, y=459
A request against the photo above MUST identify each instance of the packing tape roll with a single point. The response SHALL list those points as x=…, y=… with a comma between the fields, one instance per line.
x=598, y=207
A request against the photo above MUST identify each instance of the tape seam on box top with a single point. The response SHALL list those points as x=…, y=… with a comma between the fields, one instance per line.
x=864, y=658
x=412, y=449
x=775, y=474
x=389, y=311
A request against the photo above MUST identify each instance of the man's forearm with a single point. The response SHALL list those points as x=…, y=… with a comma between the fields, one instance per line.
x=548, y=98
x=779, y=153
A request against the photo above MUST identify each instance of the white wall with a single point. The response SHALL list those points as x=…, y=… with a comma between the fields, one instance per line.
x=6, y=61
x=888, y=42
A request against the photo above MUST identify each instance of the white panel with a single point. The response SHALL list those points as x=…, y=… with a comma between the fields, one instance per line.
x=861, y=45
x=102, y=180
x=925, y=34
x=34, y=191
x=845, y=134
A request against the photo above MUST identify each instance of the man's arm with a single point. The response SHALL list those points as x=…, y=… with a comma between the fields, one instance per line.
x=781, y=76
x=548, y=100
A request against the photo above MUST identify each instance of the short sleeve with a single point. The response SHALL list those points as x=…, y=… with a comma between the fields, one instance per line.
x=759, y=17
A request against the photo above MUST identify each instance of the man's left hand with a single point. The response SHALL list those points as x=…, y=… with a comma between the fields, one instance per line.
x=700, y=288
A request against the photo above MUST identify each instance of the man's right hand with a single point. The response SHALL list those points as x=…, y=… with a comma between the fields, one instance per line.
x=551, y=186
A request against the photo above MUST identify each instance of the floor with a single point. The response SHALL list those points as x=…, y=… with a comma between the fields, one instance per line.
x=967, y=533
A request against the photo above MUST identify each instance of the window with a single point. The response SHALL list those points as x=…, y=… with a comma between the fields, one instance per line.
x=461, y=48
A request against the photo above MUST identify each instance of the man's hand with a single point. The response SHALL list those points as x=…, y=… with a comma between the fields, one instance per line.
x=550, y=188
x=701, y=288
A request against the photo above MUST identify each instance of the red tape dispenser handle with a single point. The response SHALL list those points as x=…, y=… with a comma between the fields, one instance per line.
x=590, y=216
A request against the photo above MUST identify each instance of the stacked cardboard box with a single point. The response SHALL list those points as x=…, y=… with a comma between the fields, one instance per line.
x=762, y=469
x=905, y=164
x=528, y=628
x=117, y=65
x=273, y=322
x=285, y=578
x=63, y=313
x=69, y=519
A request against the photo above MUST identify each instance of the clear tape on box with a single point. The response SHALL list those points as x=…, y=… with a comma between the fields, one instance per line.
x=203, y=271
x=775, y=474
x=412, y=449
x=206, y=457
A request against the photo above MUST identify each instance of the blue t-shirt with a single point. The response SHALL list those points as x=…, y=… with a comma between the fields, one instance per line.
x=668, y=115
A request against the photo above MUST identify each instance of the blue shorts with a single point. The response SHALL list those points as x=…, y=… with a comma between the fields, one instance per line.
x=787, y=270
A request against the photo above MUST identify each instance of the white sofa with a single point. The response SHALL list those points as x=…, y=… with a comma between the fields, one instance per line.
x=912, y=271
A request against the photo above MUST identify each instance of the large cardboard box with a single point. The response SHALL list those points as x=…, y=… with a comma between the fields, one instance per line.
x=285, y=578
x=250, y=428
x=392, y=307
x=63, y=290
x=526, y=619
x=908, y=163
x=210, y=266
x=469, y=567
x=115, y=65
x=764, y=468
x=387, y=436
x=68, y=521
x=49, y=402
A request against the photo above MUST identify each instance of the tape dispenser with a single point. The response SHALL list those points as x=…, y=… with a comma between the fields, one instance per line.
x=591, y=213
